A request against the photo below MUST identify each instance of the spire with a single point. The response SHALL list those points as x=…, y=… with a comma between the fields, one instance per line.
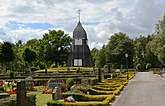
x=79, y=14
x=79, y=31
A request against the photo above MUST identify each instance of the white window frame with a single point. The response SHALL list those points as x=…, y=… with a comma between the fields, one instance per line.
x=77, y=62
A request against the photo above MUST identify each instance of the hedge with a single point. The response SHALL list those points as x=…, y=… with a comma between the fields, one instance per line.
x=103, y=103
x=102, y=88
x=99, y=92
x=83, y=97
x=118, y=90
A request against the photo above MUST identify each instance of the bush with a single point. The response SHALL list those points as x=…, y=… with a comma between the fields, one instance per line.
x=8, y=102
x=69, y=83
x=105, y=66
x=1, y=89
x=40, y=82
x=8, y=72
x=34, y=68
x=138, y=66
x=118, y=90
x=106, y=102
x=53, y=65
x=148, y=65
x=11, y=101
x=41, y=65
x=94, y=81
x=63, y=87
x=99, y=92
x=105, y=89
x=31, y=100
x=83, y=97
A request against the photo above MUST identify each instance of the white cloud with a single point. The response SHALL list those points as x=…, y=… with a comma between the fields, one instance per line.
x=134, y=17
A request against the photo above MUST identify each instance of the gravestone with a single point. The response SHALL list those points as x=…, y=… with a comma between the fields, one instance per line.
x=84, y=82
x=53, y=85
x=78, y=80
x=73, y=88
x=29, y=83
x=57, y=95
x=91, y=82
x=21, y=94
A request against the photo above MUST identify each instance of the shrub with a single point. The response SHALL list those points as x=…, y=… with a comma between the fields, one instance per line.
x=103, y=103
x=105, y=66
x=148, y=65
x=8, y=102
x=8, y=72
x=40, y=82
x=69, y=83
x=63, y=87
x=138, y=66
x=83, y=97
x=99, y=92
x=11, y=101
x=118, y=90
x=34, y=68
x=1, y=89
x=53, y=65
x=31, y=100
x=105, y=89
x=94, y=81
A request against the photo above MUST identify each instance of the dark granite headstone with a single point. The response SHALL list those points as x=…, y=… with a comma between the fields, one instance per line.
x=21, y=94
x=53, y=85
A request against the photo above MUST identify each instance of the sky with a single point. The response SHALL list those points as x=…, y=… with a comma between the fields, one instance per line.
x=28, y=19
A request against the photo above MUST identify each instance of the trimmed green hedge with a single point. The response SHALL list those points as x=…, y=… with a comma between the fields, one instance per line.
x=103, y=103
x=102, y=88
x=118, y=90
x=83, y=97
x=99, y=92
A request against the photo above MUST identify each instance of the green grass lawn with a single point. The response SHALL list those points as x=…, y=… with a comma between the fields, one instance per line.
x=41, y=99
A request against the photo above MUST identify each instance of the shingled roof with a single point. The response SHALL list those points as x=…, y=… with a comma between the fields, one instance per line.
x=79, y=32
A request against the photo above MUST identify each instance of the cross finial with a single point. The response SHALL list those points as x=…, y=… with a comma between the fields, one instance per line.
x=79, y=14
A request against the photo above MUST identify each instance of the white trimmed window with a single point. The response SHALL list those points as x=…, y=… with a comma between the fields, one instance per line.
x=78, y=41
x=77, y=62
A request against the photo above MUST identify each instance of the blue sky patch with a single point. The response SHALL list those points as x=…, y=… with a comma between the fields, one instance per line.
x=13, y=25
x=90, y=23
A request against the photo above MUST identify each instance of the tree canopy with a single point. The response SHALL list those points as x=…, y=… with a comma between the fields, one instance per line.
x=157, y=44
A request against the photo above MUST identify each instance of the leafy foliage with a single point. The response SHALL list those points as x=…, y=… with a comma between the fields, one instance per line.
x=119, y=44
x=6, y=55
x=29, y=56
x=157, y=44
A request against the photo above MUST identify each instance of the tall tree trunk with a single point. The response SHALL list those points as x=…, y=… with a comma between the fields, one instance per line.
x=4, y=68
